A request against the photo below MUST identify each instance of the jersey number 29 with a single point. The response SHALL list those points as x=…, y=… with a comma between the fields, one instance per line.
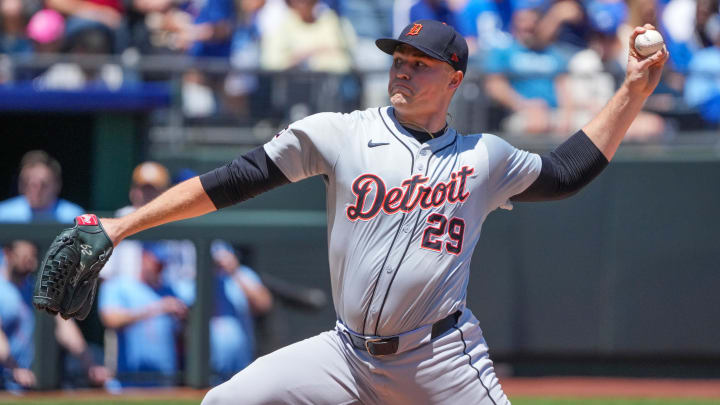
x=438, y=225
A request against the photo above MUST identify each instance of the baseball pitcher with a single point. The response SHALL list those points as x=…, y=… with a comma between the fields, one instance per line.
x=407, y=196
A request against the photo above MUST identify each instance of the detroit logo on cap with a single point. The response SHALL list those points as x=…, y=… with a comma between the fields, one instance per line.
x=415, y=29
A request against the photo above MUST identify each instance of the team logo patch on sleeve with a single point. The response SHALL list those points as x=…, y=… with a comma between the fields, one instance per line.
x=86, y=219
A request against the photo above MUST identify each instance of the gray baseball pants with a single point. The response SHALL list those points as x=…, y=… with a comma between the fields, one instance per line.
x=327, y=369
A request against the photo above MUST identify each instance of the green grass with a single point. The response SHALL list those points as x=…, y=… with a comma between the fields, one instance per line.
x=515, y=401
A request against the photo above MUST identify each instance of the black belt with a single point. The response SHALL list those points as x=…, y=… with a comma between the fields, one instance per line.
x=389, y=345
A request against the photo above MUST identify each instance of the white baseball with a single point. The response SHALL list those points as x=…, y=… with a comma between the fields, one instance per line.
x=648, y=43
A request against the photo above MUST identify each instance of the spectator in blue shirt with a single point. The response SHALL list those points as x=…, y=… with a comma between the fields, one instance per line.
x=14, y=15
x=525, y=77
x=209, y=34
x=16, y=319
x=702, y=88
x=685, y=29
x=211, y=31
x=145, y=315
x=434, y=10
x=40, y=181
x=17, y=322
x=239, y=297
x=406, y=11
x=149, y=180
x=485, y=24
x=39, y=185
x=564, y=24
x=244, y=55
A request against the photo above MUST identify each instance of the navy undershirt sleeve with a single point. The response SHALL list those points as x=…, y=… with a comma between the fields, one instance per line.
x=566, y=170
x=245, y=177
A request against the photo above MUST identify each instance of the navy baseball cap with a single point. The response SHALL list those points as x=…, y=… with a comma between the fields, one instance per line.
x=436, y=39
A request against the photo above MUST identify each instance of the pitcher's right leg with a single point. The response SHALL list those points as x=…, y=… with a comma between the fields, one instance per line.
x=313, y=371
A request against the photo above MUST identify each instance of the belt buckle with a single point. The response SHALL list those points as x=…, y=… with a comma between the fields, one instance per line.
x=367, y=348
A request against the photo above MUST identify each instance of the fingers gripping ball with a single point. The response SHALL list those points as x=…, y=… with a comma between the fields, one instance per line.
x=648, y=43
x=68, y=275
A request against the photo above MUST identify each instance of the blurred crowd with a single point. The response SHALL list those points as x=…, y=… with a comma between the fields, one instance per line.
x=135, y=336
x=549, y=64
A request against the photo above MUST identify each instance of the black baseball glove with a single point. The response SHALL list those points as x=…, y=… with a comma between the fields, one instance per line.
x=68, y=275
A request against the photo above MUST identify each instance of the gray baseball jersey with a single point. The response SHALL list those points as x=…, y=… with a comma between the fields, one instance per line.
x=403, y=220
x=403, y=217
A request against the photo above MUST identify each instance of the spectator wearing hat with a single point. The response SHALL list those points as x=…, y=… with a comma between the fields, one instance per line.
x=79, y=28
x=91, y=15
x=138, y=301
x=146, y=317
x=150, y=179
x=92, y=27
x=239, y=297
x=46, y=29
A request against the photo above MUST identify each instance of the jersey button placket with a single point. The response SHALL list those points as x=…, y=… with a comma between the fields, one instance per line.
x=420, y=166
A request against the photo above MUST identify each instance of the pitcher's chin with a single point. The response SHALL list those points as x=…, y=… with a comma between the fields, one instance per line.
x=398, y=100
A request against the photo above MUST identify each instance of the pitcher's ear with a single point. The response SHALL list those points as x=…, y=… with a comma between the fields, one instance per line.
x=456, y=79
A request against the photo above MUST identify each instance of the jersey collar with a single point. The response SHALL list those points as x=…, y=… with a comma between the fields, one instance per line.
x=388, y=115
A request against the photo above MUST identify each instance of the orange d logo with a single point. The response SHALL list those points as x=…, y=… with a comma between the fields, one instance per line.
x=415, y=29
